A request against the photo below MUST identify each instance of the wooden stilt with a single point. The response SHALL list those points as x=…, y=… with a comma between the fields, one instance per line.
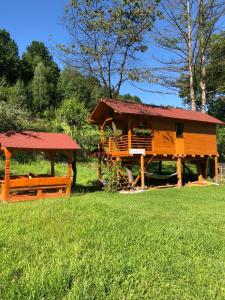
x=216, y=169
x=207, y=168
x=184, y=170
x=200, y=174
x=179, y=172
x=142, y=172
x=129, y=135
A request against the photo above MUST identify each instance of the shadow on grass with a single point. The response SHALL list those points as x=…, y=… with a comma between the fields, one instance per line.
x=85, y=189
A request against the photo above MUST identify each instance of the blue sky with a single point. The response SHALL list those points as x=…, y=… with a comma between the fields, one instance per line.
x=28, y=20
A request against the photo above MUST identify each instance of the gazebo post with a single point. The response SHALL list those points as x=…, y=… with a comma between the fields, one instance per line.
x=5, y=192
x=52, y=159
x=69, y=173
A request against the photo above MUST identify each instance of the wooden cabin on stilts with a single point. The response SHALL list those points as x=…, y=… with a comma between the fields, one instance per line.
x=150, y=133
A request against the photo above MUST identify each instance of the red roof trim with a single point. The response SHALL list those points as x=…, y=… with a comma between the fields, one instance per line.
x=126, y=107
x=29, y=140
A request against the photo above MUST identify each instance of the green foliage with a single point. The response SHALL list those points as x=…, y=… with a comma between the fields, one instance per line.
x=74, y=114
x=3, y=89
x=36, y=53
x=73, y=84
x=17, y=95
x=142, y=132
x=9, y=58
x=129, y=97
x=40, y=89
x=112, y=179
x=221, y=142
x=12, y=118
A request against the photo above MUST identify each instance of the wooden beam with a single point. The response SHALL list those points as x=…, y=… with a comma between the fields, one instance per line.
x=5, y=191
x=179, y=172
x=106, y=120
x=142, y=172
x=136, y=180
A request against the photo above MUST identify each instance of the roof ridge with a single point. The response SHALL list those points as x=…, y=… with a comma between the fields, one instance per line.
x=149, y=105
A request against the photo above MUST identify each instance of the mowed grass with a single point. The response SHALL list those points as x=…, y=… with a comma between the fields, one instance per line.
x=161, y=244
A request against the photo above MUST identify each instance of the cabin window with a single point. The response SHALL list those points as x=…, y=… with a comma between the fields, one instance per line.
x=179, y=129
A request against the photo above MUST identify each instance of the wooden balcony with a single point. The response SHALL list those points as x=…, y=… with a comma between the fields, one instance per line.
x=123, y=144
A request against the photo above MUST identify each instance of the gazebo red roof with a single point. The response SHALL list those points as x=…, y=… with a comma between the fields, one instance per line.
x=126, y=107
x=30, y=140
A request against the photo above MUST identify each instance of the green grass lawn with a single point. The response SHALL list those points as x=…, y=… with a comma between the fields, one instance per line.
x=160, y=244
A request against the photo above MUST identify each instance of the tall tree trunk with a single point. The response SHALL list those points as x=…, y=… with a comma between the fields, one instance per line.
x=190, y=59
x=202, y=56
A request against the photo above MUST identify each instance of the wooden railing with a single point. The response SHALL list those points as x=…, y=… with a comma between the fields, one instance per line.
x=123, y=144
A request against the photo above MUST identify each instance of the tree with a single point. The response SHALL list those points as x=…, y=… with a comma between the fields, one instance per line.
x=73, y=84
x=107, y=39
x=40, y=89
x=186, y=30
x=177, y=34
x=35, y=53
x=9, y=58
x=215, y=79
x=12, y=118
x=17, y=95
x=209, y=13
x=129, y=97
x=74, y=114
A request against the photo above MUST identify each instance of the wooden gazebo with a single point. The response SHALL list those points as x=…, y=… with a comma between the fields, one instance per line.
x=30, y=186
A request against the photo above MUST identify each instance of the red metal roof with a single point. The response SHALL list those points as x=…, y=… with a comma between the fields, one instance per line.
x=125, y=107
x=37, y=141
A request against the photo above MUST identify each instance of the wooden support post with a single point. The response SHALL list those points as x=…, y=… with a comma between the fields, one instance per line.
x=74, y=168
x=179, y=172
x=184, y=170
x=200, y=174
x=69, y=174
x=5, y=191
x=52, y=159
x=129, y=135
x=207, y=167
x=142, y=172
x=216, y=169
